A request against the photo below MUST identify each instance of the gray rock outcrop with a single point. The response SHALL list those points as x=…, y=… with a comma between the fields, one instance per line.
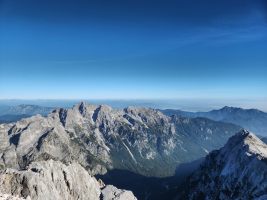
x=53, y=180
x=50, y=180
x=10, y=197
x=110, y=192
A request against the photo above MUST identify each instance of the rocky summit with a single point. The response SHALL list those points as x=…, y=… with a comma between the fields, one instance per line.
x=100, y=138
x=236, y=171
x=52, y=180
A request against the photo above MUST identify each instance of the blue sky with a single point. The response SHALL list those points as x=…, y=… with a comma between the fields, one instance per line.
x=126, y=49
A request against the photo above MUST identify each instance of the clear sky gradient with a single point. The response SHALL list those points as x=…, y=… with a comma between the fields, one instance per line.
x=136, y=49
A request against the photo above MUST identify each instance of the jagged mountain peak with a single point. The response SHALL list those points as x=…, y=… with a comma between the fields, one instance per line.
x=247, y=141
x=236, y=171
x=240, y=138
x=82, y=107
x=145, y=113
x=82, y=103
x=84, y=112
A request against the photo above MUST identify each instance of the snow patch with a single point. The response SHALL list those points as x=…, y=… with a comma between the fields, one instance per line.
x=129, y=152
x=206, y=151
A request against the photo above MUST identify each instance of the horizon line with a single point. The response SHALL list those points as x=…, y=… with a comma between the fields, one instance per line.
x=169, y=98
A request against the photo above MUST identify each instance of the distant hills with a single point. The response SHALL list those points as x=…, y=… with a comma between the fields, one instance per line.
x=15, y=113
x=25, y=109
x=251, y=119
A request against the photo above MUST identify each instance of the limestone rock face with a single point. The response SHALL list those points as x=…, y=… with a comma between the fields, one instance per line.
x=112, y=193
x=10, y=197
x=50, y=180
x=53, y=180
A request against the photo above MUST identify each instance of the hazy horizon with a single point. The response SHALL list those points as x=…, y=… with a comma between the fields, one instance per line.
x=133, y=50
x=193, y=105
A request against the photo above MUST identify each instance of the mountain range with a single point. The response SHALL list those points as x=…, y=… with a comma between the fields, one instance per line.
x=97, y=140
x=15, y=113
x=140, y=140
x=251, y=119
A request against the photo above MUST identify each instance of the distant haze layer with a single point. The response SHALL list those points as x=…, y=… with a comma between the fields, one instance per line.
x=183, y=104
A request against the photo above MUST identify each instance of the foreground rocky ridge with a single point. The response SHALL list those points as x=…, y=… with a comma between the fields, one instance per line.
x=141, y=140
x=10, y=197
x=236, y=171
x=52, y=180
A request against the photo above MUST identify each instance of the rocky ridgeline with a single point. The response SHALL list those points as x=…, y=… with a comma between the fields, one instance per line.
x=141, y=140
x=236, y=171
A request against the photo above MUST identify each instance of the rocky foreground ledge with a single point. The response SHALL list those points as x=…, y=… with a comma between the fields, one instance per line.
x=53, y=180
x=10, y=197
